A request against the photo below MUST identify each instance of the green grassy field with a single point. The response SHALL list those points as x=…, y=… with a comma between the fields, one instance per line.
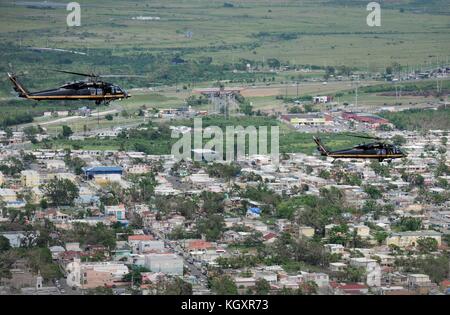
x=300, y=32
x=291, y=141
x=308, y=33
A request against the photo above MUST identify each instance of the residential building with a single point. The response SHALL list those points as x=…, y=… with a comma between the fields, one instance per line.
x=168, y=263
x=118, y=211
x=372, y=268
x=306, y=231
x=88, y=275
x=410, y=238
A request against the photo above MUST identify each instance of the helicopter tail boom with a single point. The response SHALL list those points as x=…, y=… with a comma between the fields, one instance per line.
x=18, y=87
x=320, y=147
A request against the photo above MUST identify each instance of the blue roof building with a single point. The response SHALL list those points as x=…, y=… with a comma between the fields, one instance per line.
x=90, y=172
x=254, y=211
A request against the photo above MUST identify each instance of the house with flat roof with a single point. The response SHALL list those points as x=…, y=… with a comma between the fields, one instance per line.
x=168, y=263
x=30, y=178
x=91, y=172
x=410, y=238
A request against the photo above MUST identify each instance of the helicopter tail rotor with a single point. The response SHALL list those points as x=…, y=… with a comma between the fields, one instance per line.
x=320, y=147
x=18, y=87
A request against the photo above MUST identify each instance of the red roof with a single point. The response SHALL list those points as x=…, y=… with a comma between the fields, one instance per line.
x=352, y=286
x=140, y=238
x=269, y=236
x=199, y=244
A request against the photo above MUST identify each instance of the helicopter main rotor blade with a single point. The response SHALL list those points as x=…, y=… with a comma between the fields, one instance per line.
x=366, y=137
x=121, y=76
x=92, y=75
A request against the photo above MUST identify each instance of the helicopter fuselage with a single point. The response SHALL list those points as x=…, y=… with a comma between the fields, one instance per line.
x=377, y=150
x=80, y=90
x=379, y=153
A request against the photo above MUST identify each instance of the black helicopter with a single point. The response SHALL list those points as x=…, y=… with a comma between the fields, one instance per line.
x=91, y=89
x=379, y=150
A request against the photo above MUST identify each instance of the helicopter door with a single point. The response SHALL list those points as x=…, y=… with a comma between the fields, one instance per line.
x=92, y=91
x=99, y=92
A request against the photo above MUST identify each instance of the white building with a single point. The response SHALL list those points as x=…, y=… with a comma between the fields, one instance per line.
x=164, y=262
x=30, y=178
x=373, y=270
x=91, y=275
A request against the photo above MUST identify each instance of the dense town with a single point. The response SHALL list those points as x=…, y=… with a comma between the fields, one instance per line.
x=122, y=222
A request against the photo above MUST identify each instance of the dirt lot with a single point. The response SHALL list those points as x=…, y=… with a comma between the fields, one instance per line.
x=318, y=88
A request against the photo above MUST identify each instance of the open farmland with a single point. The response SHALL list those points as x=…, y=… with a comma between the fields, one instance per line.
x=297, y=32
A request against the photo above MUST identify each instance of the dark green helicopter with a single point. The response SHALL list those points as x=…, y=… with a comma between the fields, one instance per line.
x=90, y=89
x=379, y=150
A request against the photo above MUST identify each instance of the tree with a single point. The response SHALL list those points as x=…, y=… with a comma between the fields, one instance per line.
x=125, y=113
x=66, y=131
x=143, y=188
x=373, y=192
x=134, y=275
x=226, y=171
x=273, y=63
x=92, y=235
x=212, y=202
x=212, y=226
x=30, y=132
x=354, y=274
x=109, y=117
x=427, y=244
x=442, y=169
x=370, y=206
x=7, y=259
x=246, y=108
x=379, y=169
x=262, y=286
x=329, y=70
x=409, y=224
x=40, y=259
x=9, y=132
x=4, y=244
x=310, y=287
x=324, y=174
x=76, y=164
x=43, y=204
x=11, y=166
x=339, y=235
x=223, y=285
x=186, y=207
x=61, y=192
x=436, y=267
x=286, y=291
x=287, y=209
x=344, y=70
x=100, y=291
x=398, y=140
x=380, y=236
x=417, y=180
x=178, y=287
